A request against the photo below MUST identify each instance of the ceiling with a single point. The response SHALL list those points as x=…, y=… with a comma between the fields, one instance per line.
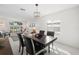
x=13, y=10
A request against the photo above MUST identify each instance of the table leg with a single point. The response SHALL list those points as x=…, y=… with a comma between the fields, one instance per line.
x=49, y=49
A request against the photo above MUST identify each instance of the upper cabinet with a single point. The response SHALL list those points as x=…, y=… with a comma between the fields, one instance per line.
x=54, y=25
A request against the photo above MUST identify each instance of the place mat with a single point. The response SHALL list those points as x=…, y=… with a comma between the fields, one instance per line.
x=5, y=47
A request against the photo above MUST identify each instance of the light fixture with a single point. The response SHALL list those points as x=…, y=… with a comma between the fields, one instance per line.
x=36, y=12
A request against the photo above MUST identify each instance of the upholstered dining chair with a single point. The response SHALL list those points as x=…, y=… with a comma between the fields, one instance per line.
x=51, y=33
x=30, y=47
x=21, y=43
x=40, y=34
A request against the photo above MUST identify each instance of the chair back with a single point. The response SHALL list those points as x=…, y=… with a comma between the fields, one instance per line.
x=50, y=33
x=41, y=32
x=20, y=39
x=29, y=45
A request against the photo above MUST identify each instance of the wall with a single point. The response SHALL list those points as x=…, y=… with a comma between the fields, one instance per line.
x=4, y=27
x=69, y=25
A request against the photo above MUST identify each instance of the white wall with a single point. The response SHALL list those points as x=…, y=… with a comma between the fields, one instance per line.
x=69, y=25
x=4, y=27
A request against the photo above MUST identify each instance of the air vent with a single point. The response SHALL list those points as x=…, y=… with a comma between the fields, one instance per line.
x=22, y=9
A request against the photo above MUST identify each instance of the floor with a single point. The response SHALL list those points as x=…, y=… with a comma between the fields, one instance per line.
x=59, y=49
x=5, y=48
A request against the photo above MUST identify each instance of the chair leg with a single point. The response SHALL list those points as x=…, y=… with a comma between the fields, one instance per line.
x=26, y=53
x=22, y=50
x=19, y=47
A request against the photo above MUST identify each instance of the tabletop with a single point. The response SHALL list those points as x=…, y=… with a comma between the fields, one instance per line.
x=46, y=40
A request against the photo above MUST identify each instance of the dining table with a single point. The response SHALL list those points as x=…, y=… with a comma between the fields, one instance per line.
x=45, y=40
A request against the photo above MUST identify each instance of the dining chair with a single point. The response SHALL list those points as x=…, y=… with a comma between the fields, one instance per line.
x=30, y=47
x=21, y=43
x=51, y=33
x=53, y=43
x=40, y=34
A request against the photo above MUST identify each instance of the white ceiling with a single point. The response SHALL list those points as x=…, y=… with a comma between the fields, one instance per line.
x=13, y=10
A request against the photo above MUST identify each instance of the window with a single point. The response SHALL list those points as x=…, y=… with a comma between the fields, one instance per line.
x=15, y=26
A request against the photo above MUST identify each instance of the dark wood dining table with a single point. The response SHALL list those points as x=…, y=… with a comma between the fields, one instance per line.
x=45, y=40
